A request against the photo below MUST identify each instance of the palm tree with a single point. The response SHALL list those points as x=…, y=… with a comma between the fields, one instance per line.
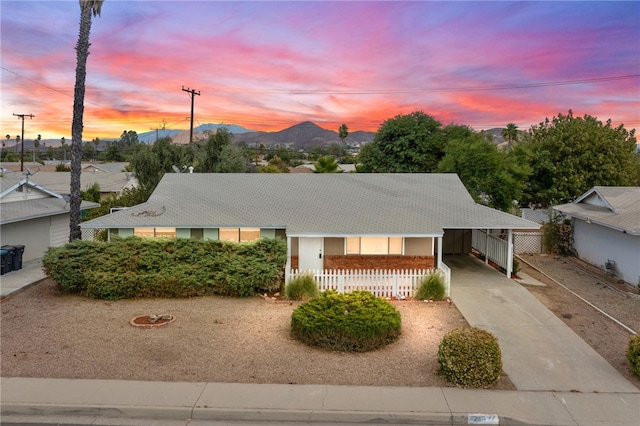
x=63, y=144
x=326, y=164
x=36, y=145
x=343, y=132
x=510, y=134
x=96, y=142
x=87, y=9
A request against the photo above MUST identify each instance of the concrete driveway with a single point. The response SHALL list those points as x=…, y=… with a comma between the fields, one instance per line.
x=539, y=352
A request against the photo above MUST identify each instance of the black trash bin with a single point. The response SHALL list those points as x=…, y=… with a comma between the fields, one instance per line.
x=17, y=257
x=8, y=257
x=4, y=261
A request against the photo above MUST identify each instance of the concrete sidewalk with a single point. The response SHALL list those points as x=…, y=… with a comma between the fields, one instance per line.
x=539, y=351
x=16, y=281
x=93, y=399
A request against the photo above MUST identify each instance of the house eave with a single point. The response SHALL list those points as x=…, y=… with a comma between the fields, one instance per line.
x=592, y=221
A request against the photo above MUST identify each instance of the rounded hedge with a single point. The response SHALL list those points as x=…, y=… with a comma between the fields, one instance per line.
x=470, y=357
x=303, y=287
x=348, y=322
x=633, y=354
x=430, y=287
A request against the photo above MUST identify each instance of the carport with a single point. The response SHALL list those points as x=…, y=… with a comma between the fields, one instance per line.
x=492, y=244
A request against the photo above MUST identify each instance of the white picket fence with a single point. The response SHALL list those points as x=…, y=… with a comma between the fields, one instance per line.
x=400, y=284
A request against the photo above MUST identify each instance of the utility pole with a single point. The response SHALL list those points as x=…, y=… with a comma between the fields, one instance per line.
x=22, y=116
x=192, y=93
x=164, y=124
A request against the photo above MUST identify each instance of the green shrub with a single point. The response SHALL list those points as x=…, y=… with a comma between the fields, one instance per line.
x=166, y=267
x=431, y=287
x=351, y=322
x=470, y=357
x=516, y=266
x=633, y=354
x=303, y=287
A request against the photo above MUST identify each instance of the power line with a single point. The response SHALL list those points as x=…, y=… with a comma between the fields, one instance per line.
x=382, y=91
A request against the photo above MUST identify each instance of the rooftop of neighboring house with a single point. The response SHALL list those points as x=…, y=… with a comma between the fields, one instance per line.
x=616, y=207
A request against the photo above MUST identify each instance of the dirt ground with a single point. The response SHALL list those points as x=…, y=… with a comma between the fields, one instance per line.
x=217, y=339
x=608, y=338
x=214, y=339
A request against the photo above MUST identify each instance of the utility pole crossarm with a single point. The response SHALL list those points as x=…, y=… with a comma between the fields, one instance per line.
x=193, y=94
x=22, y=116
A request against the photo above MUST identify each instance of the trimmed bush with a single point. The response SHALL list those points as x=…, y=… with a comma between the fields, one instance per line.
x=633, y=354
x=470, y=357
x=302, y=287
x=166, y=267
x=349, y=322
x=431, y=287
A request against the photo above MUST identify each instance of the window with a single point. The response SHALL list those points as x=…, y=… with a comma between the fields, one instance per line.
x=374, y=245
x=166, y=232
x=155, y=232
x=229, y=234
x=239, y=235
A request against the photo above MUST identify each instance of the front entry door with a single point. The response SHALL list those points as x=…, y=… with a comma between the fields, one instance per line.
x=310, y=253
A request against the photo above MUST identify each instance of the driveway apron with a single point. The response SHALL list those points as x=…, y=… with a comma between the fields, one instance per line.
x=539, y=352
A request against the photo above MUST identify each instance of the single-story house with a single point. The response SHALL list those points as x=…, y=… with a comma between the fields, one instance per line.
x=606, y=229
x=33, y=216
x=330, y=221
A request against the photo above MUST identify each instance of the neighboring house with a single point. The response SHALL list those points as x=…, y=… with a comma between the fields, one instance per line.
x=32, y=215
x=342, y=168
x=110, y=183
x=606, y=229
x=330, y=221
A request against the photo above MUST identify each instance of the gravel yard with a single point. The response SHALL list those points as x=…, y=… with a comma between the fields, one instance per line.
x=217, y=339
x=214, y=339
x=609, y=339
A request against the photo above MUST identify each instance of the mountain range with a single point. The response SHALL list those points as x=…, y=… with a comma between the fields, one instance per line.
x=301, y=135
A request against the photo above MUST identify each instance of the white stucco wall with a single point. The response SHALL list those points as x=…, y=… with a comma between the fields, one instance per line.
x=596, y=244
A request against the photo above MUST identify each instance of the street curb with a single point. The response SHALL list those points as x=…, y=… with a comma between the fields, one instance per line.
x=89, y=413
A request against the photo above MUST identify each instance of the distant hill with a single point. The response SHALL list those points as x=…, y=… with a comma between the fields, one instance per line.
x=303, y=135
x=150, y=137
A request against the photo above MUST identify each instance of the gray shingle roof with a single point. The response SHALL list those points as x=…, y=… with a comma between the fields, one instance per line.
x=616, y=207
x=314, y=204
x=26, y=209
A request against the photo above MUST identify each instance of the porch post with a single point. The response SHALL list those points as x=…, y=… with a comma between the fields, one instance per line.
x=287, y=268
x=509, y=253
x=486, y=246
x=439, y=252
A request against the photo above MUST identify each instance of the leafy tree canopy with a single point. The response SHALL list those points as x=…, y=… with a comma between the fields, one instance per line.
x=326, y=164
x=492, y=177
x=569, y=155
x=410, y=143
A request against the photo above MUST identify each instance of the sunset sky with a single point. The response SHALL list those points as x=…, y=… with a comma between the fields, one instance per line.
x=268, y=65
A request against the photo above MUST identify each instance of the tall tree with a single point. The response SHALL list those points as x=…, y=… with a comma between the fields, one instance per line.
x=343, y=132
x=569, y=155
x=36, y=145
x=87, y=9
x=510, y=134
x=410, y=143
x=492, y=177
